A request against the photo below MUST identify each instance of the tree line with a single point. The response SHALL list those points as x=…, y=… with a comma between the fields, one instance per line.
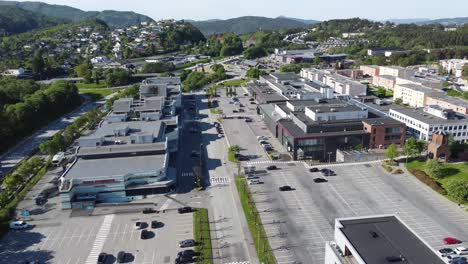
x=32, y=107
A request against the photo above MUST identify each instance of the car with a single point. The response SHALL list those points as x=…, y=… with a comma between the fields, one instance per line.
x=456, y=259
x=246, y=94
x=220, y=135
x=320, y=180
x=263, y=142
x=216, y=124
x=187, y=243
x=445, y=251
x=122, y=257
x=102, y=258
x=241, y=111
x=251, y=177
x=450, y=241
x=235, y=111
x=271, y=167
x=285, y=188
x=144, y=234
x=182, y=260
x=461, y=250
x=149, y=211
x=187, y=253
x=328, y=172
x=254, y=182
x=155, y=224
x=251, y=99
x=41, y=200
x=184, y=210
x=242, y=158
x=262, y=138
x=313, y=169
x=253, y=103
x=17, y=225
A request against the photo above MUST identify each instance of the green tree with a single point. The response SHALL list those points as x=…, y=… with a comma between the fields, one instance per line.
x=465, y=71
x=195, y=80
x=435, y=169
x=235, y=148
x=411, y=149
x=38, y=65
x=254, y=73
x=97, y=75
x=391, y=152
x=458, y=190
x=398, y=101
x=254, y=53
x=84, y=71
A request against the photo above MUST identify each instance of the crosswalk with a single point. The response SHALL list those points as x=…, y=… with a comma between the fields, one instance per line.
x=100, y=239
x=187, y=174
x=220, y=181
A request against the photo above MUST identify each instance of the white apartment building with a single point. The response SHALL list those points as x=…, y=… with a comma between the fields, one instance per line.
x=455, y=66
x=423, y=122
x=340, y=84
x=412, y=94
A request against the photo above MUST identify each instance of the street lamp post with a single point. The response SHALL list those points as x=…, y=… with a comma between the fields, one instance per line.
x=329, y=157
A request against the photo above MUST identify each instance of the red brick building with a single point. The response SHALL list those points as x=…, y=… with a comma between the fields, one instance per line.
x=384, y=132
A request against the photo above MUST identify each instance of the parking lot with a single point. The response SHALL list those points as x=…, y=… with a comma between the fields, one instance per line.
x=299, y=222
x=80, y=239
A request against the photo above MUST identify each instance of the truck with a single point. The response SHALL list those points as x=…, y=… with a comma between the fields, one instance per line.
x=58, y=158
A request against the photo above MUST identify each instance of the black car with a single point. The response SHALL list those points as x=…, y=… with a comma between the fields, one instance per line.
x=285, y=188
x=149, y=211
x=182, y=260
x=184, y=210
x=314, y=170
x=144, y=234
x=155, y=224
x=328, y=173
x=272, y=167
x=242, y=158
x=188, y=253
x=251, y=99
x=102, y=258
x=41, y=200
x=122, y=257
x=320, y=180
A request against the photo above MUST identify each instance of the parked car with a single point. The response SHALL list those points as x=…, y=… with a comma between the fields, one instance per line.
x=149, y=211
x=320, y=180
x=313, y=169
x=263, y=142
x=461, y=250
x=253, y=103
x=17, y=225
x=262, y=138
x=138, y=225
x=242, y=158
x=235, y=111
x=456, y=259
x=187, y=253
x=285, y=188
x=251, y=177
x=328, y=172
x=271, y=167
x=102, y=258
x=122, y=257
x=183, y=260
x=184, y=210
x=187, y=243
x=253, y=181
x=241, y=110
x=450, y=241
x=445, y=251
x=144, y=234
x=251, y=99
x=155, y=224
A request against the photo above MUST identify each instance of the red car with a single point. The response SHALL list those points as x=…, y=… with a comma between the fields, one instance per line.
x=450, y=241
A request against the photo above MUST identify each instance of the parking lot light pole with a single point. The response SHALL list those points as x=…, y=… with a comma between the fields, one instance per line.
x=329, y=156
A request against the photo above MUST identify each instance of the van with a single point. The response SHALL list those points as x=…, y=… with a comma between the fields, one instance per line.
x=58, y=158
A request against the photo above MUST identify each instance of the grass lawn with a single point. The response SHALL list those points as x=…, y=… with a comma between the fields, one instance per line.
x=234, y=83
x=91, y=85
x=263, y=248
x=201, y=232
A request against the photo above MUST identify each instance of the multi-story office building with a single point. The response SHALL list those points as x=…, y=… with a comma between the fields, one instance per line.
x=340, y=84
x=423, y=122
x=448, y=102
x=413, y=95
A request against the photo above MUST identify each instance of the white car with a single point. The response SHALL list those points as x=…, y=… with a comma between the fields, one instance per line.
x=262, y=138
x=253, y=181
x=461, y=250
x=19, y=225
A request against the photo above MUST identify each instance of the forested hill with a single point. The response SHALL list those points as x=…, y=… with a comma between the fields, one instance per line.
x=247, y=24
x=112, y=18
x=15, y=20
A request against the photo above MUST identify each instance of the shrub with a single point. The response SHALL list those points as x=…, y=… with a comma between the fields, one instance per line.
x=435, y=169
x=458, y=190
x=387, y=168
x=398, y=171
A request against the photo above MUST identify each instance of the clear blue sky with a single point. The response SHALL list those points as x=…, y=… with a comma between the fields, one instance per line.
x=308, y=9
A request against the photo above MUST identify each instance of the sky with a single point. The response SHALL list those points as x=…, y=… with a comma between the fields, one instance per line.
x=306, y=9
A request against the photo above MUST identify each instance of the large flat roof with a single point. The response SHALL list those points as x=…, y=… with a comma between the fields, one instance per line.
x=118, y=166
x=427, y=118
x=377, y=238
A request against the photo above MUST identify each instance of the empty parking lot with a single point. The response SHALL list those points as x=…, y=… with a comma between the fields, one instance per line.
x=299, y=222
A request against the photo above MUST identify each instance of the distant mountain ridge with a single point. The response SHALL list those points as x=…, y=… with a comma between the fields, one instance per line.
x=112, y=18
x=246, y=24
x=305, y=21
x=446, y=21
x=15, y=20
